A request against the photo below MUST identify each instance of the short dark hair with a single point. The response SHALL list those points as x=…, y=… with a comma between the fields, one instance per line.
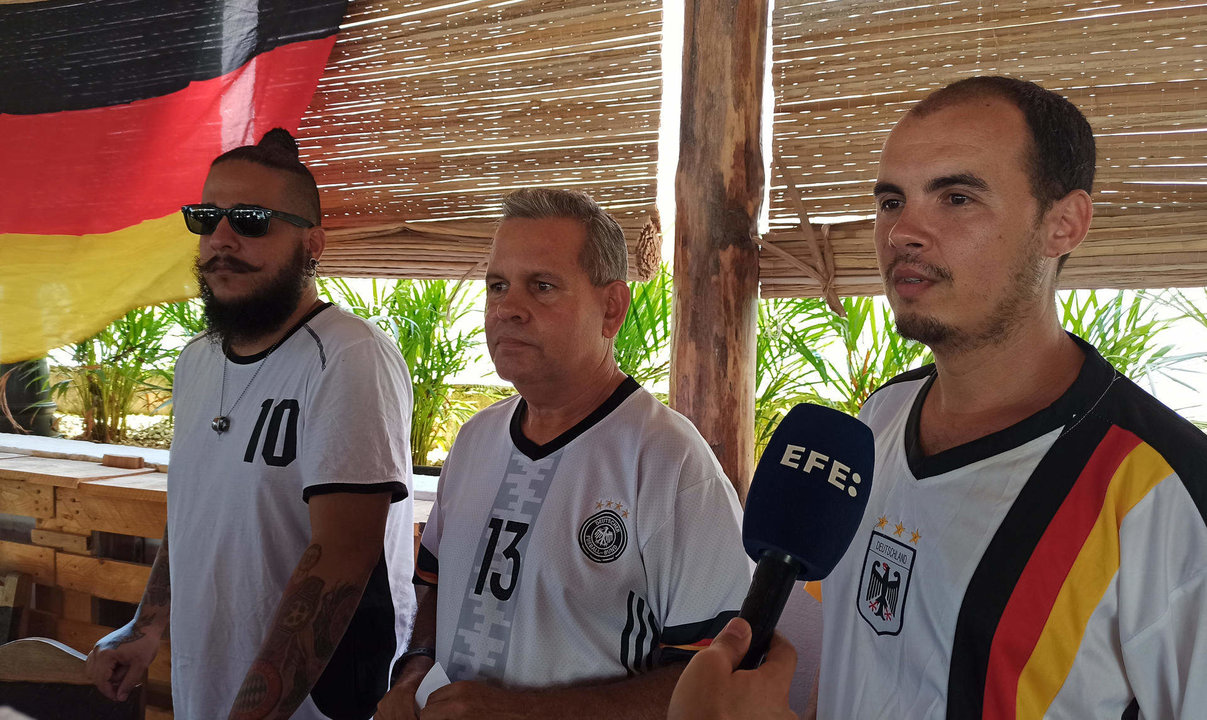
x=279, y=151
x=1062, y=155
x=604, y=257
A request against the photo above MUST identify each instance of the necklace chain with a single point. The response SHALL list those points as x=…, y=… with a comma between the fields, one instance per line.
x=222, y=423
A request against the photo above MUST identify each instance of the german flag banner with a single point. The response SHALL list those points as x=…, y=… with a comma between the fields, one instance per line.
x=110, y=113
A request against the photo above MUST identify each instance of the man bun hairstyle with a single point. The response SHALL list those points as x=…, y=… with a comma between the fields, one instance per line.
x=278, y=150
x=604, y=256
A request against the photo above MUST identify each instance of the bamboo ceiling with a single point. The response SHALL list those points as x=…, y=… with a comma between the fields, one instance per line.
x=429, y=112
x=844, y=71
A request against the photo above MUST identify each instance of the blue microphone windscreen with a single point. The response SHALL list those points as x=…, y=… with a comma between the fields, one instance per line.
x=810, y=489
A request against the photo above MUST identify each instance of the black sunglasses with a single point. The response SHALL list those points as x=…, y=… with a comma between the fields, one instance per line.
x=246, y=220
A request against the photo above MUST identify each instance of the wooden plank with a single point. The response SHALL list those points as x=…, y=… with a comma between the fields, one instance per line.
x=83, y=512
x=4, y=455
x=57, y=471
x=79, y=606
x=110, y=579
x=71, y=542
x=157, y=713
x=128, y=462
x=48, y=598
x=36, y=561
x=152, y=486
x=21, y=498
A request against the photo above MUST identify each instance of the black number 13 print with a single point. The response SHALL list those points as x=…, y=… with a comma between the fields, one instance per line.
x=517, y=530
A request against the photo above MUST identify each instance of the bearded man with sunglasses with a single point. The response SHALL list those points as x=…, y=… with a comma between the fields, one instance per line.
x=289, y=589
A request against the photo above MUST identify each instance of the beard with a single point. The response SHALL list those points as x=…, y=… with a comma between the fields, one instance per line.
x=262, y=312
x=1010, y=311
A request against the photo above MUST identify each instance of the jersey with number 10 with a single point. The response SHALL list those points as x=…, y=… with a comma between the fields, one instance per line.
x=326, y=412
x=611, y=549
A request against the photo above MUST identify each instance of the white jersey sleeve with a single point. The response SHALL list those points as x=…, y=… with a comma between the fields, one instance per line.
x=360, y=400
x=686, y=594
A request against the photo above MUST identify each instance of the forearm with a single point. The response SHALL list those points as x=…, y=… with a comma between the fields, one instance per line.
x=423, y=635
x=315, y=609
x=642, y=697
x=155, y=607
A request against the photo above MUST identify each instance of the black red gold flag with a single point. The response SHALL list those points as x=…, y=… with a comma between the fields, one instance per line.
x=110, y=112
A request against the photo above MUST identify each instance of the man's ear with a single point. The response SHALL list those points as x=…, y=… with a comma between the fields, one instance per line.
x=617, y=297
x=316, y=241
x=1068, y=221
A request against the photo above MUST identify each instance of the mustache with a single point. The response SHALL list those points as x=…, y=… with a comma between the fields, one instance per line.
x=225, y=262
x=933, y=271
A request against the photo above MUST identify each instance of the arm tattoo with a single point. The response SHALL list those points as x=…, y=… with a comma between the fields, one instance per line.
x=333, y=618
x=136, y=630
x=300, y=604
x=260, y=692
x=304, y=634
x=310, y=558
x=159, y=585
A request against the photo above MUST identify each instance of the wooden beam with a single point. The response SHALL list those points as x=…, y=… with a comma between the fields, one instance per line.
x=109, y=579
x=18, y=497
x=719, y=190
x=37, y=562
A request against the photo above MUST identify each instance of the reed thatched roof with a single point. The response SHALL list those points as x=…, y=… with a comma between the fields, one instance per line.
x=429, y=112
x=845, y=70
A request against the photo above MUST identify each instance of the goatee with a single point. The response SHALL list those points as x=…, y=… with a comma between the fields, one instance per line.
x=262, y=312
x=1007, y=314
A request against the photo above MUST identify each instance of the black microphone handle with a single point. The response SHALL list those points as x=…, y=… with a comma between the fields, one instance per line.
x=774, y=577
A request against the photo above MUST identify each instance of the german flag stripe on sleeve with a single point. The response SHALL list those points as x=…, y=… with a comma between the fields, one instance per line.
x=427, y=567
x=1045, y=571
x=680, y=642
x=1004, y=560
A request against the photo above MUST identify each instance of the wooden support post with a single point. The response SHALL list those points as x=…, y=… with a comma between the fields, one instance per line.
x=718, y=193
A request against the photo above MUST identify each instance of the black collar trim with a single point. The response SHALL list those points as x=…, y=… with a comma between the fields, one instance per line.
x=538, y=452
x=1092, y=381
x=249, y=359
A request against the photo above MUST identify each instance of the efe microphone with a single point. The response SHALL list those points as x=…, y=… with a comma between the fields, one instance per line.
x=805, y=504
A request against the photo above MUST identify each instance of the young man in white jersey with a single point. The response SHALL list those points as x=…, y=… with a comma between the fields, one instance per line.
x=584, y=539
x=1034, y=543
x=288, y=590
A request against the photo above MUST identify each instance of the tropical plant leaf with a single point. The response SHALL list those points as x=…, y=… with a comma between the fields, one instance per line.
x=423, y=317
x=642, y=346
x=113, y=367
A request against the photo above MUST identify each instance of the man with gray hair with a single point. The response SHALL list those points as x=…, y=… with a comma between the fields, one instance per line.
x=585, y=541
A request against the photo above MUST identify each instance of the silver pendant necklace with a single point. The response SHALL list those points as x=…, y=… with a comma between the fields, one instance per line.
x=222, y=423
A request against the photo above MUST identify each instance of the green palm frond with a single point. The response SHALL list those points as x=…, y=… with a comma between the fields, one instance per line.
x=642, y=346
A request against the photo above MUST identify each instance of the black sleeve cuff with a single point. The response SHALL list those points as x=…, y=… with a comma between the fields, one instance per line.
x=397, y=490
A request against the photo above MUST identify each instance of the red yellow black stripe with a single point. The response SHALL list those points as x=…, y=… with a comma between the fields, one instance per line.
x=1054, y=554
x=99, y=170
x=1065, y=578
x=110, y=113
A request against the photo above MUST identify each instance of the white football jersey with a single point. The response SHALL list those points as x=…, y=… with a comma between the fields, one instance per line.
x=328, y=411
x=611, y=549
x=1053, y=569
